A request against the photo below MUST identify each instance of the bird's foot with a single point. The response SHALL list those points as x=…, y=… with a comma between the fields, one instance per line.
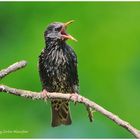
x=75, y=99
x=44, y=94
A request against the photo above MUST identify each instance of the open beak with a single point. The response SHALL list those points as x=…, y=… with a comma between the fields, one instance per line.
x=63, y=32
x=69, y=22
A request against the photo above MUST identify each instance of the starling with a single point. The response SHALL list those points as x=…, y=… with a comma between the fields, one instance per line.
x=58, y=70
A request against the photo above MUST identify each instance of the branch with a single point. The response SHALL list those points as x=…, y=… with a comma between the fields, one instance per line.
x=80, y=99
x=12, y=68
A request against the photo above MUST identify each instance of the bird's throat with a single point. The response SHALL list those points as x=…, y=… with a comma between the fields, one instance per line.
x=55, y=43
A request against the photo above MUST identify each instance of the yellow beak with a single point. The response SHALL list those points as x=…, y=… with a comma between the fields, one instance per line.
x=69, y=22
x=69, y=36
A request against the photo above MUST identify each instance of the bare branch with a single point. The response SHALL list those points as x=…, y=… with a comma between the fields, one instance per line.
x=80, y=99
x=49, y=96
x=12, y=68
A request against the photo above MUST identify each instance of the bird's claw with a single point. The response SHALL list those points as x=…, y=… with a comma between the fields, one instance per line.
x=44, y=94
x=75, y=99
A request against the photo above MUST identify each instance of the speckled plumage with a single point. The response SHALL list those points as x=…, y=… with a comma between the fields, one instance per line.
x=58, y=72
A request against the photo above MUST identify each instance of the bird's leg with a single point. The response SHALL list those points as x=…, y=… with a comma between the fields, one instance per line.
x=44, y=94
x=75, y=95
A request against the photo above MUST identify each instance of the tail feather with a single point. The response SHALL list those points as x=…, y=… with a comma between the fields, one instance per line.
x=60, y=113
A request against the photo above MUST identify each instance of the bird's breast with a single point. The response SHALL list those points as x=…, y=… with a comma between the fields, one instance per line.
x=58, y=68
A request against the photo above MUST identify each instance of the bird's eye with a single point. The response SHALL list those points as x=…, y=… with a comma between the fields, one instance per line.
x=58, y=28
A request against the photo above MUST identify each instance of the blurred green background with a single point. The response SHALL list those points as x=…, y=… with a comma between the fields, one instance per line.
x=108, y=51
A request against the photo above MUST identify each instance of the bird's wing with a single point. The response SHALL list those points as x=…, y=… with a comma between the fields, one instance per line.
x=74, y=70
x=42, y=69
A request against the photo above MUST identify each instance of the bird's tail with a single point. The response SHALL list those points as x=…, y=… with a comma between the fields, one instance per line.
x=60, y=112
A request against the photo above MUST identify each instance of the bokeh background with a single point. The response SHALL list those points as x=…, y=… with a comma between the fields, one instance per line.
x=108, y=51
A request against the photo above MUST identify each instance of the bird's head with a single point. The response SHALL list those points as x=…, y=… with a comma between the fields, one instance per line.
x=57, y=31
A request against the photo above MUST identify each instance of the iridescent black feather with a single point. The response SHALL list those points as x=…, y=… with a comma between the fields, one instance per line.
x=58, y=73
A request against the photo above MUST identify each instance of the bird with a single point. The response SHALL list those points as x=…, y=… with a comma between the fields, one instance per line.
x=58, y=70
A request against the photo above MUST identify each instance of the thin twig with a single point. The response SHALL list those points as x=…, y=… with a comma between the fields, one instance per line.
x=12, y=68
x=80, y=99
x=90, y=113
